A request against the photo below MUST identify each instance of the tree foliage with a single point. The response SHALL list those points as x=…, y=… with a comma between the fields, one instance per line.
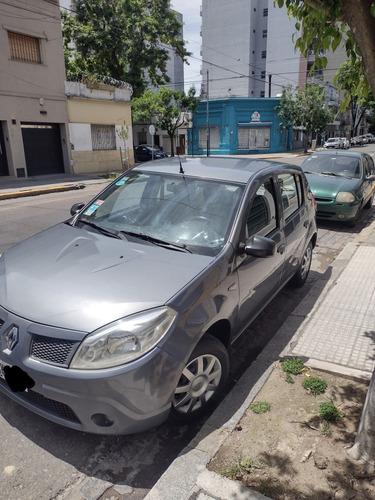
x=355, y=99
x=325, y=24
x=304, y=108
x=166, y=108
x=124, y=39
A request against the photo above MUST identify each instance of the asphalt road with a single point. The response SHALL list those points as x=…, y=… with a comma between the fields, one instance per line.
x=40, y=460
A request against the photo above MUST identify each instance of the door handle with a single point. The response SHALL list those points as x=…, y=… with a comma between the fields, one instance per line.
x=306, y=223
x=281, y=248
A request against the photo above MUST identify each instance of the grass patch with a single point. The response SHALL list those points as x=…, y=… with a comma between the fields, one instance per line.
x=289, y=378
x=315, y=385
x=326, y=429
x=329, y=412
x=292, y=365
x=239, y=469
x=260, y=407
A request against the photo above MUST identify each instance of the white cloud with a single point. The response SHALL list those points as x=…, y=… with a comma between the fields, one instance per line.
x=190, y=9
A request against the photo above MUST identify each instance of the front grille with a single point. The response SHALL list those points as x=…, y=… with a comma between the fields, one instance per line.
x=323, y=200
x=55, y=407
x=325, y=215
x=52, y=350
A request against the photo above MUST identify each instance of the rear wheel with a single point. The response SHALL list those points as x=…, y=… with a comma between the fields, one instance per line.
x=304, y=268
x=201, y=382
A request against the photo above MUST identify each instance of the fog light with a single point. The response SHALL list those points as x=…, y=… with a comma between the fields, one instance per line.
x=101, y=420
x=341, y=216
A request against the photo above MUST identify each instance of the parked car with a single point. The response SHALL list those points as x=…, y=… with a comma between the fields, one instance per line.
x=370, y=138
x=147, y=153
x=342, y=182
x=356, y=141
x=333, y=142
x=124, y=314
x=363, y=139
x=345, y=143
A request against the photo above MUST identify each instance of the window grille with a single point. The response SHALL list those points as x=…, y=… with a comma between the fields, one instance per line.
x=254, y=137
x=24, y=48
x=103, y=137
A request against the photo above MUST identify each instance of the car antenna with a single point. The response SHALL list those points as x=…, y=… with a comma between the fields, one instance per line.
x=182, y=171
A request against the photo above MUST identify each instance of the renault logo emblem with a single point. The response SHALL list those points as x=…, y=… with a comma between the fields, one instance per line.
x=11, y=337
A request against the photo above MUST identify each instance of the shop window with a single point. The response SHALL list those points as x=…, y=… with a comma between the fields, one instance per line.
x=254, y=138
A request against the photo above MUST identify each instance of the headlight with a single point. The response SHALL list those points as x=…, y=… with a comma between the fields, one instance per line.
x=345, y=197
x=124, y=340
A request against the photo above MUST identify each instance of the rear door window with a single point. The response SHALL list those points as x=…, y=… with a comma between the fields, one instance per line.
x=291, y=193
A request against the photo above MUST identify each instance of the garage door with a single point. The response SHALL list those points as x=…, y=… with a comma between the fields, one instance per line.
x=42, y=145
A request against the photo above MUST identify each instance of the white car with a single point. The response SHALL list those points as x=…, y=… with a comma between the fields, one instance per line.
x=333, y=142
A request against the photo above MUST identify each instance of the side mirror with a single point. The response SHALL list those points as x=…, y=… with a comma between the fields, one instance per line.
x=77, y=207
x=259, y=246
x=370, y=178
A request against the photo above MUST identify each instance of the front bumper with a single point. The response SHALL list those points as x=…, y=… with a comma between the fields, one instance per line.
x=120, y=400
x=330, y=210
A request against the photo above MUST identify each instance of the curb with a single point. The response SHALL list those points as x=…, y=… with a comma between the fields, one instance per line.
x=38, y=191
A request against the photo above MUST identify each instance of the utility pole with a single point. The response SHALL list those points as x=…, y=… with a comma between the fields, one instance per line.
x=269, y=85
x=208, y=117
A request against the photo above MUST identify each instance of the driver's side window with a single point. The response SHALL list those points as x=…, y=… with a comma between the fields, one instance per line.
x=261, y=218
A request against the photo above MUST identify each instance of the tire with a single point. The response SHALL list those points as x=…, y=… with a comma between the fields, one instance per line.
x=201, y=382
x=301, y=274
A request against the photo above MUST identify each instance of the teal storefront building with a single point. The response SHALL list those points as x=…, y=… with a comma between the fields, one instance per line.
x=238, y=126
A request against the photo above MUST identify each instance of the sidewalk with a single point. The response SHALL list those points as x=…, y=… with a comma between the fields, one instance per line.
x=332, y=329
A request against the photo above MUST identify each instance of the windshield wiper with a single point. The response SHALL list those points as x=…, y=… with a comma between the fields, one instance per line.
x=331, y=173
x=105, y=230
x=157, y=241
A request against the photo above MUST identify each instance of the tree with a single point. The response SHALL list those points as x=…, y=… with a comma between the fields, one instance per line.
x=166, y=108
x=304, y=108
x=353, y=93
x=326, y=24
x=123, y=39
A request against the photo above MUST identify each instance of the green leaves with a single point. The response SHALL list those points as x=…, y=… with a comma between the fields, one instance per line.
x=124, y=39
x=165, y=108
x=372, y=9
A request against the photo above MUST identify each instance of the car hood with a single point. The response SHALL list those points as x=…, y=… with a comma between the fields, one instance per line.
x=325, y=186
x=73, y=278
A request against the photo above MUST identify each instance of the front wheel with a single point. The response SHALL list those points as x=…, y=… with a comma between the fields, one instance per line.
x=201, y=382
x=304, y=268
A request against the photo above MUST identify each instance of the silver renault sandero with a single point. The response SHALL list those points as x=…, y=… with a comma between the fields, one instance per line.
x=123, y=315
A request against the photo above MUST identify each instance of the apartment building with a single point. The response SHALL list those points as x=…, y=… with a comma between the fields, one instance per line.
x=33, y=111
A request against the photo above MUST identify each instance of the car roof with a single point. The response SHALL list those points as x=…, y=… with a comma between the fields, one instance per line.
x=220, y=168
x=354, y=154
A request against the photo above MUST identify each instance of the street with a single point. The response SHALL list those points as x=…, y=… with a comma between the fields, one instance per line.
x=41, y=460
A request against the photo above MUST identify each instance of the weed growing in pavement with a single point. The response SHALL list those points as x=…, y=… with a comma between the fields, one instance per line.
x=289, y=378
x=260, y=407
x=315, y=385
x=326, y=429
x=329, y=412
x=239, y=469
x=292, y=365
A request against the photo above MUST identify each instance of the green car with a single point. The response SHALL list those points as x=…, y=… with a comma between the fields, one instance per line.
x=342, y=182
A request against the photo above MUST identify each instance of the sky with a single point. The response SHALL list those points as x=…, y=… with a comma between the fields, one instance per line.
x=190, y=9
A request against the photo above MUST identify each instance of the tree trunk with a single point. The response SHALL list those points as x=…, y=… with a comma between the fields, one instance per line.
x=364, y=445
x=356, y=14
x=171, y=136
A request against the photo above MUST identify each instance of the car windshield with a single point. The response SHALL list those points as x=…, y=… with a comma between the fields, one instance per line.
x=190, y=214
x=340, y=165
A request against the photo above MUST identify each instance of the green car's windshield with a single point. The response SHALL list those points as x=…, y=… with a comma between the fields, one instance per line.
x=336, y=165
x=191, y=213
